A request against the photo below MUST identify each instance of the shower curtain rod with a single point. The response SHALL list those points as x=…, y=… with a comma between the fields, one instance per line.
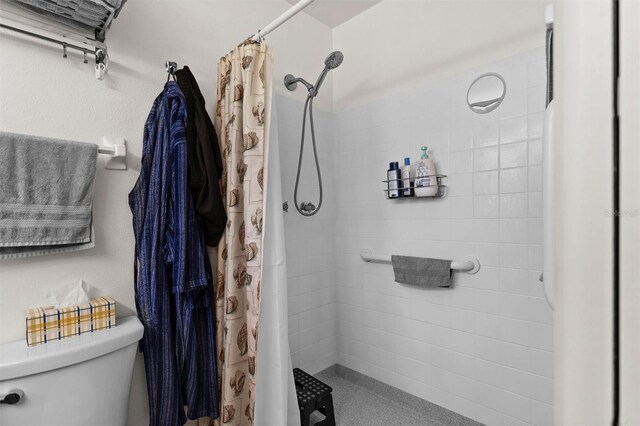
x=288, y=14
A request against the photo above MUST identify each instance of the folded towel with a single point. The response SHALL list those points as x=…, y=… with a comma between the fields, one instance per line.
x=422, y=271
x=45, y=196
x=83, y=15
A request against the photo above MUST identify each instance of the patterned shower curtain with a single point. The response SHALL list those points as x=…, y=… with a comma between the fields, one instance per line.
x=243, y=95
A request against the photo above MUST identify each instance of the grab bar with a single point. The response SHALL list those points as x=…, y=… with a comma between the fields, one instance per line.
x=470, y=264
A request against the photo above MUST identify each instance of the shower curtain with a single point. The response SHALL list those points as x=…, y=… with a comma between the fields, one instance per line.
x=276, y=402
x=243, y=111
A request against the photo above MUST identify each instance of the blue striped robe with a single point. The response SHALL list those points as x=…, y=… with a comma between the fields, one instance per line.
x=173, y=283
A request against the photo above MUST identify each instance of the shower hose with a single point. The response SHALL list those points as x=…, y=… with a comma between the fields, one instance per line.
x=307, y=209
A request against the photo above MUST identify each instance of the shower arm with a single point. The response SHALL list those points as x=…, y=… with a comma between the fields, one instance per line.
x=291, y=82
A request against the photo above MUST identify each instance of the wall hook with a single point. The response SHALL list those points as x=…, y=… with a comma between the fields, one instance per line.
x=171, y=68
x=102, y=63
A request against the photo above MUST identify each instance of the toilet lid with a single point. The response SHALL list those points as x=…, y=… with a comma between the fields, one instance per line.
x=19, y=360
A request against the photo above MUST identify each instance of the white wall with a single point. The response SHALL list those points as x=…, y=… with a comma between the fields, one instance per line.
x=309, y=240
x=484, y=347
x=394, y=45
x=630, y=204
x=400, y=43
x=43, y=94
x=584, y=233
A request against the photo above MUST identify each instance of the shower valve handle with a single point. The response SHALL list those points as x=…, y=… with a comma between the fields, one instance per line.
x=13, y=397
x=307, y=207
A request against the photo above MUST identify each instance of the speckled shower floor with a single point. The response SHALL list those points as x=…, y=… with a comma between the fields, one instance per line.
x=356, y=405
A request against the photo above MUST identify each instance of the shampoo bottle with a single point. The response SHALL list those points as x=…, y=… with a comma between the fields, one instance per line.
x=407, y=184
x=394, y=182
x=426, y=183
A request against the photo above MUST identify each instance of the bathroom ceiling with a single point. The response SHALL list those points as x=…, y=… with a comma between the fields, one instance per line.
x=335, y=12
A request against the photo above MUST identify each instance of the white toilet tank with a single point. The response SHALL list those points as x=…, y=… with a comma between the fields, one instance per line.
x=82, y=380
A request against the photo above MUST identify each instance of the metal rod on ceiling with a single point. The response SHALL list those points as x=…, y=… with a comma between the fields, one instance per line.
x=288, y=14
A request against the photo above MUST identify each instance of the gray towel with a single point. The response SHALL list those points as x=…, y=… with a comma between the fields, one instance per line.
x=45, y=196
x=422, y=271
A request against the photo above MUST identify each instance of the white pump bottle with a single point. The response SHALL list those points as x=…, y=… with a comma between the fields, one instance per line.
x=426, y=183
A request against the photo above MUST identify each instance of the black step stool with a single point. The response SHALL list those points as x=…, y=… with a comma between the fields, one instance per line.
x=313, y=395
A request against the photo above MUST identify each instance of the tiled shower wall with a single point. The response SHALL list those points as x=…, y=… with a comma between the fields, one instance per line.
x=484, y=347
x=309, y=240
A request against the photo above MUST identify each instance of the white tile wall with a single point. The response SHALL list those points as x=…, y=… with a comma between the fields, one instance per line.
x=309, y=247
x=483, y=348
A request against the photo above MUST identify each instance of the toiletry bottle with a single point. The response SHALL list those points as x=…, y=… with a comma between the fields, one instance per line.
x=394, y=182
x=407, y=187
x=426, y=183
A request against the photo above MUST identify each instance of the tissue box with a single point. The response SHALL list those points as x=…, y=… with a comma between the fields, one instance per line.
x=48, y=323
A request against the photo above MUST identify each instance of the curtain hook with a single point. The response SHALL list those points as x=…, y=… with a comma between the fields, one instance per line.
x=102, y=62
x=64, y=50
x=84, y=57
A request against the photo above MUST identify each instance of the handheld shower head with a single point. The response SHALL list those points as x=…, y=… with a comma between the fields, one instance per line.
x=334, y=60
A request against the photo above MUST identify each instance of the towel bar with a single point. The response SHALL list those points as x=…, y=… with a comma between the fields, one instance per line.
x=116, y=149
x=470, y=264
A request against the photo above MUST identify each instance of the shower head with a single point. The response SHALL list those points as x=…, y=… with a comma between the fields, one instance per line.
x=334, y=60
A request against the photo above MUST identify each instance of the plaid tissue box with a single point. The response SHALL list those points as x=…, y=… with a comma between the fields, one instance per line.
x=48, y=323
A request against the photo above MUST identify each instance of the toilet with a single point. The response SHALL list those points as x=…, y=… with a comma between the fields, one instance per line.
x=81, y=380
